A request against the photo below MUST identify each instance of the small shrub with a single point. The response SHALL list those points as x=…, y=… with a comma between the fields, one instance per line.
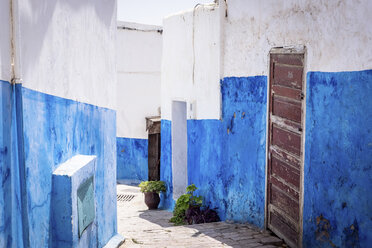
x=183, y=203
x=194, y=200
x=152, y=186
x=188, y=209
x=197, y=215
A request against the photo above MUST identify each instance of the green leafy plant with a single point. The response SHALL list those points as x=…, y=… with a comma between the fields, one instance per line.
x=183, y=203
x=152, y=186
x=194, y=200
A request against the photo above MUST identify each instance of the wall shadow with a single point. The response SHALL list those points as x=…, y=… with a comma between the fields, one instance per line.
x=230, y=234
x=159, y=217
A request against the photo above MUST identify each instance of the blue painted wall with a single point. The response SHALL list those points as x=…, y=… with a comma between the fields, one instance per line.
x=5, y=164
x=244, y=115
x=132, y=156
x=338, y=160
x=55, y=129
x=66, y=182
x=10, y=195
x=38, y=132
x=226, y=158
x=166, y=198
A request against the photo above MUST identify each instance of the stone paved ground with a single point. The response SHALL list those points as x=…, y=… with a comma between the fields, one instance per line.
x=150, y=228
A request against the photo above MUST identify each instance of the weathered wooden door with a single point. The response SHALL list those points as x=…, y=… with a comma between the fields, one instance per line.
x=153, y=128
x=154, y=157
x=285, y=152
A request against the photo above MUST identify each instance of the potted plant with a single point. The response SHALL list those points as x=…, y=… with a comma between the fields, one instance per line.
x=151, y=189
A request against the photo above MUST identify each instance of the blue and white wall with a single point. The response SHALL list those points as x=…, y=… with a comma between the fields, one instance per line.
x=10, y=205
x=191, y=73
x=64, y=106
x=223, y=77
x=139, y=51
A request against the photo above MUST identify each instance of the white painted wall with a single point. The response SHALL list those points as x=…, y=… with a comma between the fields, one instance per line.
x=5, y=54
x=337, y=34
x=190, y=37
x=139, y=53
x=179, y=148
x=68, y=49
x=235, y=40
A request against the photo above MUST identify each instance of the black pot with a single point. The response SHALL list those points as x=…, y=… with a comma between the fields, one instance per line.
x=152, y=200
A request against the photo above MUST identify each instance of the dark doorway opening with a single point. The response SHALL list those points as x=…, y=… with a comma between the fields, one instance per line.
x=153, y=127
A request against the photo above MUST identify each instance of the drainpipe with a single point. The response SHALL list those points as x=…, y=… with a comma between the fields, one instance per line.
x=14, y=43
x=16, y=82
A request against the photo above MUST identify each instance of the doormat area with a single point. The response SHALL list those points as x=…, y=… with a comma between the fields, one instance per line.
x=124, y=198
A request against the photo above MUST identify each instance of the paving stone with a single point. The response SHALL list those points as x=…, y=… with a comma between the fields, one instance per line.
x=246, y=238
x=151, y=228
x=259, y=236
x=271, y=241
x=251, y=245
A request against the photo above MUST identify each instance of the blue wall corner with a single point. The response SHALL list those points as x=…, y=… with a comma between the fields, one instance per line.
x=244, y=114
x=55, y=129
x=132, y=156
x=6, y=164
x=166, y=198
x=61, y=201
x=19, y=164
x=226, y=158
x=66, y=219
x=205, y=165
x=338, y=160
x=11, y=222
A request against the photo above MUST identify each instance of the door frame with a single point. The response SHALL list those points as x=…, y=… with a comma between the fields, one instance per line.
x=153, y=128
x=300, y=49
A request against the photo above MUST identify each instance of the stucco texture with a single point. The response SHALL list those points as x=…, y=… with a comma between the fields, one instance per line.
x=336, y=34
x=226, y=158
x=338, y=160
x=5, y=163
x=166, y=198
x=132, y=156
x=61, y=53
x=55, y=129
x=74, y=225
x=139, y=57
x=10, y=192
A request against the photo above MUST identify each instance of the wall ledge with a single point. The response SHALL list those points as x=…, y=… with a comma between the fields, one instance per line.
x=115, y=241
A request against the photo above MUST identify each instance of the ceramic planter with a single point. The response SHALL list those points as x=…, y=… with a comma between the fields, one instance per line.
x=152, y=200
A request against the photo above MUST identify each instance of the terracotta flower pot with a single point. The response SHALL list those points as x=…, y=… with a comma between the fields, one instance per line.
x=152, y=200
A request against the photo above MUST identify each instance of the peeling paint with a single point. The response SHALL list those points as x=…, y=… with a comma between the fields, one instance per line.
x=54, y=130
x=323, y=230
x=337, y=172
x=228, y=167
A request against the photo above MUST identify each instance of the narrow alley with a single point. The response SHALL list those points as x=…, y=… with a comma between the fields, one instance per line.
x=151, y=228
x=250, y=120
